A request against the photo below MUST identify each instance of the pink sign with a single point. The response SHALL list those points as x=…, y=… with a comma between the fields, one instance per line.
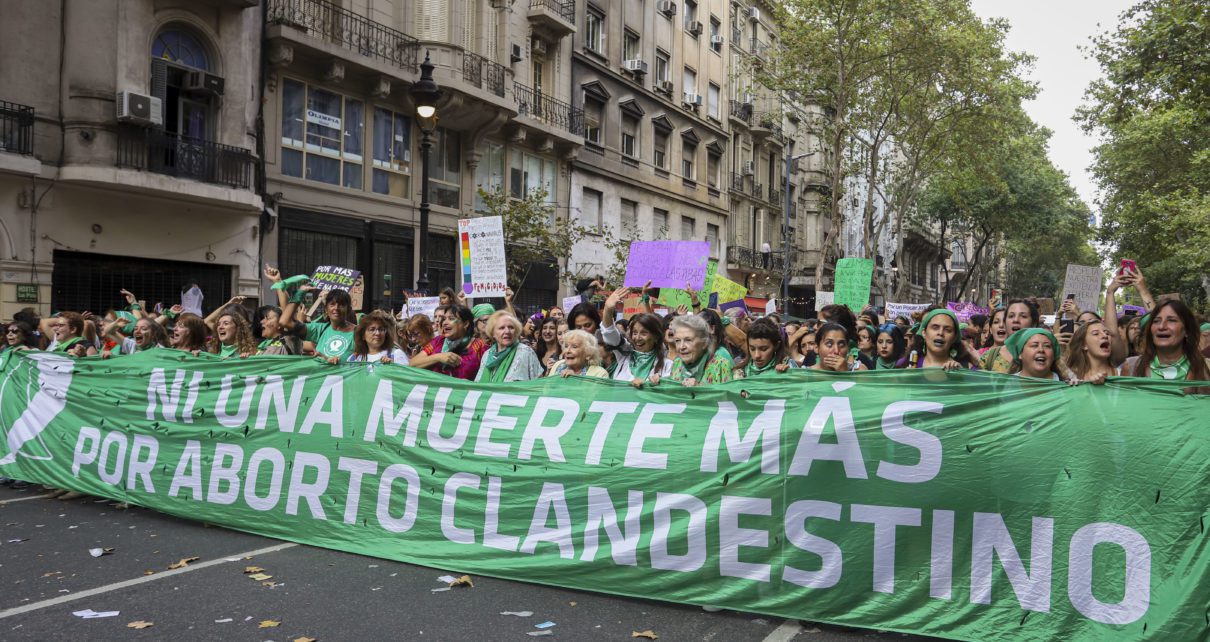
x=963, y=310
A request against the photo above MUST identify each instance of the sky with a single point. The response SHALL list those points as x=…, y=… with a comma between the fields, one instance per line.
x=1053, y=31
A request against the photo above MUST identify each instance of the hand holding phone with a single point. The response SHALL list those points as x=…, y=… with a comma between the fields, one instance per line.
x=1128, y=266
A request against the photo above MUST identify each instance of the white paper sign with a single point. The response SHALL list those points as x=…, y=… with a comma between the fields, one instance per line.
x=823, y=298
x=771, y=306
x=191, y=300
x=425, y=305
x=481, y=255
x=1086, y=282
x=570, y=302
x=895, y=310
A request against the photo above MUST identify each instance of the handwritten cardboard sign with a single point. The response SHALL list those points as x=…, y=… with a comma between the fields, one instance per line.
x=896, y=310
x=728, y=290
x=1086, y=282
x=425, y=305
x=482, y=258
x=823, y=299
x=667, y=264
x=853, y=282
x=333, y=277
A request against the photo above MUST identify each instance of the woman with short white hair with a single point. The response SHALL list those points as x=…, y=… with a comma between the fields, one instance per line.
x=581, y=356
x=508, y=359
x=697, y=361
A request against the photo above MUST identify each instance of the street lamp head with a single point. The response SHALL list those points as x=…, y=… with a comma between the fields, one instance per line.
x=425, y=92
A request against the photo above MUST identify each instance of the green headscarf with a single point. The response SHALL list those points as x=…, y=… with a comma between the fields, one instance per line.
x=924, y=323
x=1016, y=342
x=127, y=329
x=641, y=363
x=482, y=310
x=1205, y=327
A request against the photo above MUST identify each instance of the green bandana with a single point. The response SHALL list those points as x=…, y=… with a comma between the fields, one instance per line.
x=884, y=364
x=498, y=362
x=1205, y=327
x=1173, y=372
x=482, y=310
x=226, y=352
x=697, y=371
x=456, y=345
x=752, y=370
x=1016, y=342
x=64, y=346
x=641, y=363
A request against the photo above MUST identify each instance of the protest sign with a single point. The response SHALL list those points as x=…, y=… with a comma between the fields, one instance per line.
x=853, y=283
x=771, y=306
x=334, y=277
x=1086, y=282
x=823, y=299
x=964, y=309
x=1137, y=310
x=570, y=302
x=894, y=310
x=667, y=264
x=727, y=289
x=481, y=255
x=672, y=299
x=631, y=305
x=425, y=305
x=738, y=303
x=1046, y=305
x=913, y=501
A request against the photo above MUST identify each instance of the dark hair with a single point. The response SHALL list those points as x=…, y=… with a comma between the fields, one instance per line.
x=464, y=315
x=654, y=326
x=872, y=330
x=841, y=315
x=197, y=331
x=897, y=338
x=979, y=320
x=990, y=342
x=159, y=336
x=769, y=331
x=262, y=312
x=542, y=349
x=360, y=347
x=872, y=314
x=28, y=316
x=1074, y=357
x=823, y=330
x=715, y=323
x=450, y=294
x=27, y=334
x=958, y=351
x=1033, y=310
x=1198, y=370
x=342, y=299
x=583, y=309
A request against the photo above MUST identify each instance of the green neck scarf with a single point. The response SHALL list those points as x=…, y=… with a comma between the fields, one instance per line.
x=456, y=345
x=64, y=346
x=884, y=364
x=498, y=362
x=1176, y=371
x=752, y=370
x=641, y=363
x=697, y=371
x=226, y=351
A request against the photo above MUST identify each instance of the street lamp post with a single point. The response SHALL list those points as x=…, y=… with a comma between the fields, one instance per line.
x=425, y=94
x=785, y=259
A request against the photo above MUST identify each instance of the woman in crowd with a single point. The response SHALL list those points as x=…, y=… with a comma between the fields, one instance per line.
x=891, y=347
x=997, y=332
x=189, y=334
x=332, y=336
x=844, y=317
x=456, y=352
x=1170, y=346
x=1088, y=354
x=718, y=335
x=581, y=356
x=374, y=341
x=447, y=297
x=233, y=335
x=586, y=317
x=698, y=360
x=482, y=312
x=549, y=348
x=939, y=344
x=1035, y=353
x=146, y=335
x=69, y=337
x=1019, y=314
x=646, y=360
x=766, y=351
x=865, y=341
x=509, y=359
x=1204, y=345
x=801, y=345
x=19, y=336
x=556, y=313
x=833, y=350
x=418, y=332
x=275, y=337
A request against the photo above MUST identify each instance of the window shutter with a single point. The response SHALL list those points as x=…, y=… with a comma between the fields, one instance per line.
x=159, y=79
x=432, y=20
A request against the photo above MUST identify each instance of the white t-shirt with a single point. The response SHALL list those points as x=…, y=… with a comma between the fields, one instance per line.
x=398, y=357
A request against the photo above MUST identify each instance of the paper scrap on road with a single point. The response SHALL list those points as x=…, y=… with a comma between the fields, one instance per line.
x=517, y=613
x=534, y=634
x=447, y=579
x=140, y=624
x=98, y=552
x=224, y=620
x=184, y=561
x=89, y=614
x=441, y=590
x=545, y=625
x=649, y=634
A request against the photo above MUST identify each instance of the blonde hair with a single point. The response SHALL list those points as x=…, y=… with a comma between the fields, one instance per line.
x=502, y=315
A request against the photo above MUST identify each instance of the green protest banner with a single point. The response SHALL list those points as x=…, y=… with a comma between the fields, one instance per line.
x=965, y=505
x=853, y=283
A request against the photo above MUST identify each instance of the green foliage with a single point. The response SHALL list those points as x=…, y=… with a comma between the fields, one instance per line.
x=533, y=234
x=1152, y=112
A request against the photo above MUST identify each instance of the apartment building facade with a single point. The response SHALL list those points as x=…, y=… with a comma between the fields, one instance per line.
x=127, y=137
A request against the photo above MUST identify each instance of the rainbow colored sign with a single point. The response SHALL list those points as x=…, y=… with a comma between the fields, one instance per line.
x=481, y=253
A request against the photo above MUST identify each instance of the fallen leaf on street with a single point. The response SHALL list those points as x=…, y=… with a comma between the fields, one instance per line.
x=571, y=603
x=649, y=634
x=139, y=624
x=148, y=572
x=304, y=639
x=259, y=577
x=465, y=580
x=268, y=624
x=183, y=562
x=252, y=569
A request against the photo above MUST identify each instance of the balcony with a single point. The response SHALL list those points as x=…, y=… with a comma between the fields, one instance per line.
x=751, y=259
x=766, y=123
x=16, y=128
x=759, y=49
x=737, y=37
x=167, y=153
x=483, y=73
x=741, y=111
x=558, y=17
x=774, y=197
x=738, y=183
x=326, y=21
x=546, y=109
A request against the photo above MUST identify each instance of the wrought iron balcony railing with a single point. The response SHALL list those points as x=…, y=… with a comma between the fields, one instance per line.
x=565, y=9
x=738, y=183
x=551, y=111
x=483, y=73
x=748, y=258
x=167, y=153
x=16, y=128
x=331, y=22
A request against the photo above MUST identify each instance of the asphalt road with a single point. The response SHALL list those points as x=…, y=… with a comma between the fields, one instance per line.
x=47, y=574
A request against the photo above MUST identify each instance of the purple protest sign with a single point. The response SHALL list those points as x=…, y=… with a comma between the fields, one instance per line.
x=1133, y=309
x=963, y=310
x=667, y=264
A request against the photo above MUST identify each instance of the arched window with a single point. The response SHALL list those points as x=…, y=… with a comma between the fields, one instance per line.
x=958, y=255
x=181, y=46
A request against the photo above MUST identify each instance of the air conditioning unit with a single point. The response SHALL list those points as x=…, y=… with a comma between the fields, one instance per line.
x=538, y=46
x=695, y=28
x=666, y=7
x=754, y=14
x=749, y=168
x=664, y=86
x=717, y=40
x=636, y=67
x=515, y=57
x=200, y=82
x=139, y=109
x=693, y=100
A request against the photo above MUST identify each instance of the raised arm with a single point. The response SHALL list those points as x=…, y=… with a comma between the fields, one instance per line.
x=1117, y=347
x=218, y=312
x=1140, y=284
x=611, y=305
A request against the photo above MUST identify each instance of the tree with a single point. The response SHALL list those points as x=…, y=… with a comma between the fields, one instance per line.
x=618, y=243
x=1152, y=113
x=532, y=233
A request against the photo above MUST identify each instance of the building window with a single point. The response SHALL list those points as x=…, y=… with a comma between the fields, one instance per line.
x=321, y=135
x=592, y=120
x=716, y=28
x=690, y=13
x=712, y=238
x=958, y=255
x=659, y=223
x=590, y=209
x=392, y=153
x=630, y=136
x=660, y=156
x=445, y=171
x=688, y=155
x=489, y=175
x=714, y=163
x=690, y=81
x=712, y=101
x=686, y=228
x=528, y=174
x=661, y=66
x=182, y=47
x=630, y=216
x=594, y=31
x=630, y=46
